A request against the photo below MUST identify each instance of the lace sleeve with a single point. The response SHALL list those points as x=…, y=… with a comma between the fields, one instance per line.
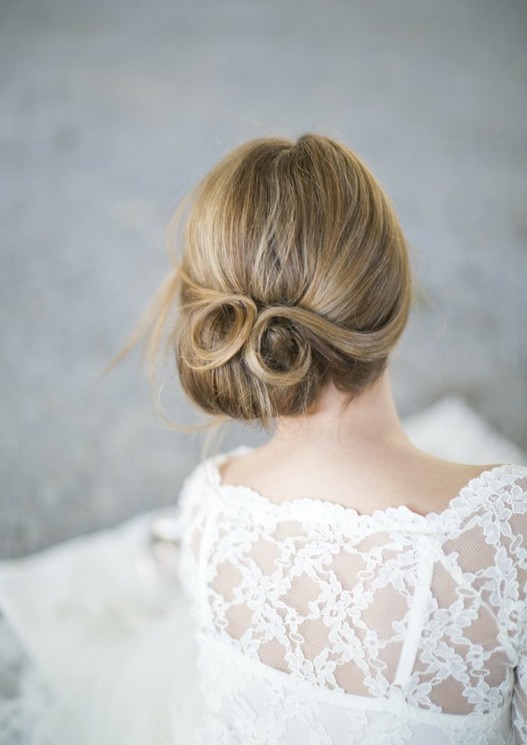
x=519, y=701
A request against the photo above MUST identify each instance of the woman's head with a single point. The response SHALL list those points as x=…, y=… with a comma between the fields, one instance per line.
x=294, y=273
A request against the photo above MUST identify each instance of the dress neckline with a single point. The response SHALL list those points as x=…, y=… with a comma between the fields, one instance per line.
x=483, y=486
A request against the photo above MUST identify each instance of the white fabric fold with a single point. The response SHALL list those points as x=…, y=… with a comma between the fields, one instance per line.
x=105, y=642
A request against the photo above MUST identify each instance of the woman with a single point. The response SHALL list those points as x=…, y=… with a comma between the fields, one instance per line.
x=347, y=586
x=344, y=585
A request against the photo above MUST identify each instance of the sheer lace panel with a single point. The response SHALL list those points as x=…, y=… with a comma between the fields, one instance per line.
x=312, y=609
x=433, y=608
x=519, y=701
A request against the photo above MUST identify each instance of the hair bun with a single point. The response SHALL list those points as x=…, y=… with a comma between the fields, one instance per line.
x=295, y=273
x=277, y=351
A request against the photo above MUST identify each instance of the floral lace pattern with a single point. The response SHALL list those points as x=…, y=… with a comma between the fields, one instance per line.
x=318, y=624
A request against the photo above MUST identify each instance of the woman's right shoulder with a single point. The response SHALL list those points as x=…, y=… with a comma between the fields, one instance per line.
x=518, y=490
x=518, y=473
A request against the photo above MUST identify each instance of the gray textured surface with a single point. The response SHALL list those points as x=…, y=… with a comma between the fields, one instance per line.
x=110, y=110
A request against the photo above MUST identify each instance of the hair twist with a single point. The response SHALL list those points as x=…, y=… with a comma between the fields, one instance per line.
x=268, y=351
x=219, y=328
x=277, y=350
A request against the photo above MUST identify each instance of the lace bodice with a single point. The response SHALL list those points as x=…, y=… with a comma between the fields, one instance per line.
x=317, y=624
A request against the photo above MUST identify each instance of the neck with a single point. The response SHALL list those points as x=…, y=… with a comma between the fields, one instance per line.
x=371, y=419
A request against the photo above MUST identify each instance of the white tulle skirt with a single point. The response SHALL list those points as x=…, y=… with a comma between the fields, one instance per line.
x=97, y=642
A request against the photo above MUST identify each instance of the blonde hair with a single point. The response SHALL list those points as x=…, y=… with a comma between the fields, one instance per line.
x=294, y=272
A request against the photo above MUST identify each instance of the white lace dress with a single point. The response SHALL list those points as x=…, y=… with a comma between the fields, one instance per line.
x=299, y=623
x=316, y=624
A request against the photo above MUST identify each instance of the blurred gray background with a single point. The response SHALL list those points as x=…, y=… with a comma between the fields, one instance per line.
x=112, y=110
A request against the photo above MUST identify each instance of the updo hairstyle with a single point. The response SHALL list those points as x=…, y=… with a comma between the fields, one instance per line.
x=294, y=272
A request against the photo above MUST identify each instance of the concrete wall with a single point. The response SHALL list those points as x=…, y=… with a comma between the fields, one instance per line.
x=111, y=110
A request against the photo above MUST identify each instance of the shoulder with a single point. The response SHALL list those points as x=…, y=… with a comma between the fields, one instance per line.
x=499, y=494
x=512, y=480
x=504, y=475
x=501, y=513
x=206, y=473
x=194, y=484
